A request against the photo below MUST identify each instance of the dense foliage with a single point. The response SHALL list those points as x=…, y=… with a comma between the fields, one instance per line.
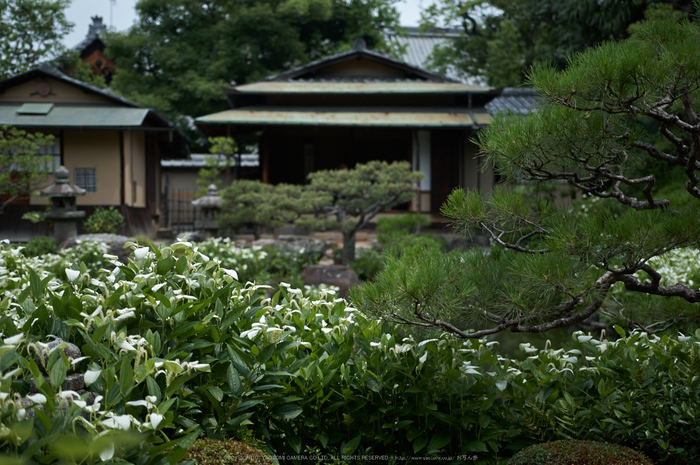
x=30, y=32
x=180, y=53
x=501, y=40
x=620, y=118
x=255, y=203
x=344, y=200
x=104, y=220
x=575, y=452
x=178, y=349
x=21, y=167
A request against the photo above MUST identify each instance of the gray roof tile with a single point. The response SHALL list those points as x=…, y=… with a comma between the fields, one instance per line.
x=516, y=100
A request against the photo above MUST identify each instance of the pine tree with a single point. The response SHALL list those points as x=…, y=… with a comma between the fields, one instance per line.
x=621, y=117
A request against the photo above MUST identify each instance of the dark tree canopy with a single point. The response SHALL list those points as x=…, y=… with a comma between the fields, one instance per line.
x=181, y=53
x=619, y=118
x=502, y=39
x=30, y=32
x=21, y=167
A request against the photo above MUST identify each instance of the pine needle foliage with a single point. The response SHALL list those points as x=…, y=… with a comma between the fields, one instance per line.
x=611, y=125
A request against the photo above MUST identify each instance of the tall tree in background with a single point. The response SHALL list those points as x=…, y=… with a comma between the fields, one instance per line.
x=21, y=168
x=502, y=39
x=30, y=32
x=181, y=53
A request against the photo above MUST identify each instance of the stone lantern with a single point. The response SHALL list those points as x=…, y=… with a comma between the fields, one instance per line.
x=63, y=211
x=210, y=206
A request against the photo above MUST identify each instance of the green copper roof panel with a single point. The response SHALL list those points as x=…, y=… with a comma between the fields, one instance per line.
x=349, y=116
x=35, y=109
x=74, y=116
x=399, y=87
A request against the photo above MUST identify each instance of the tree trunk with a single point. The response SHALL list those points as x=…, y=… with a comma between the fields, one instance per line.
x=348, y=255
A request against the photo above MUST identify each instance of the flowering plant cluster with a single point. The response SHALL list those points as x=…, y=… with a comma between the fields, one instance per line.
x=175, y=347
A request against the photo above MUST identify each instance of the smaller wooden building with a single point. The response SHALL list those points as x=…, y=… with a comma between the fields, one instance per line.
x=91, y=50
x=360, y=106
x=111, y=146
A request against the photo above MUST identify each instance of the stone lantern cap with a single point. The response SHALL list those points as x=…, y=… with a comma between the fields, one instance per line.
x=211, y=200
x=61, y=187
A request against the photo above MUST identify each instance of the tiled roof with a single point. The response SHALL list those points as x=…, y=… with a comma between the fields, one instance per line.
x=419, y=45
x=359, y=50
x=95, y=30
x=516, y=100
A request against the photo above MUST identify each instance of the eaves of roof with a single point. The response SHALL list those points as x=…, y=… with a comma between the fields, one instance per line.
x=340, y=87
x=350, y=116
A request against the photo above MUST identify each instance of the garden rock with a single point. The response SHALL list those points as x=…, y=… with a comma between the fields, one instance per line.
x=73, y=381
x=335, y=275
x=71, y=351
x=115, y=242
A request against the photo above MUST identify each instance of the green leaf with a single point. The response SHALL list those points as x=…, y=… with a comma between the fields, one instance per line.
x=295, y=442
x=266, y=353
x=216, y=392
x=352, y=445
x=176, y=455
x=237, y=362
x=475, y=446
x=35, y=285
x=420, y=443
x=234, y=380
x=58, y=371
x=126, y=375
x=619, y=330
x=181, y=265
x=288, y=411
x=439, y=440
x=165, y=265
x=372, y=383
x=445, y=418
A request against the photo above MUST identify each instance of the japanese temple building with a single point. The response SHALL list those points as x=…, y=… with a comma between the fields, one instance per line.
x=359, y=106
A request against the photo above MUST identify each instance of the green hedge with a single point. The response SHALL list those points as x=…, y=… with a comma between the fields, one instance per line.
x=177, y=348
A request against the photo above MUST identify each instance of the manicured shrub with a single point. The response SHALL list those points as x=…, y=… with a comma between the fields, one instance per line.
x=216, y=452
x=401, y=232
x=104, y=220
x=367, y=263
x=39, y=246
x=572, y=452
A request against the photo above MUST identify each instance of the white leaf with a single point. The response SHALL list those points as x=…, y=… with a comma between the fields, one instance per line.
x=126, y=346
x=137, y=403
x=157, y=287
x=155, y=419
x=91, y=376
x=107, y=453
x=37, y=398
x=72, y=275
x=13, y=339
x=141, y=252
x=423, y=358
x=231, y=273
x=502, y=384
